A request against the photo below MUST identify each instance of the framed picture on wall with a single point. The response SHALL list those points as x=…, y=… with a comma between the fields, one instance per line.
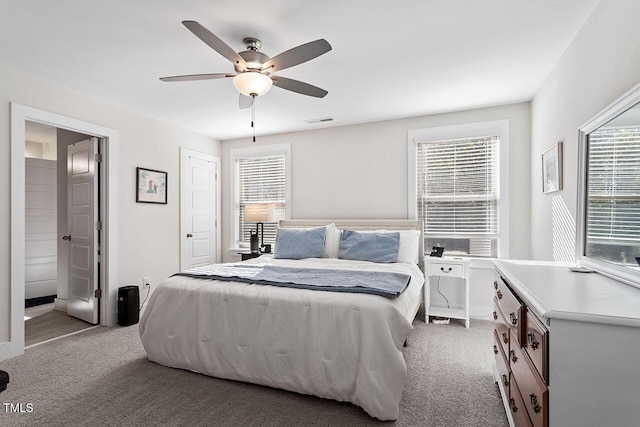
x=552, y=169
x=151, y=186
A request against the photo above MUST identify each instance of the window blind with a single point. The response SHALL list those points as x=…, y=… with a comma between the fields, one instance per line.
x=613, y=183
x=459, y=192
x=260, y=180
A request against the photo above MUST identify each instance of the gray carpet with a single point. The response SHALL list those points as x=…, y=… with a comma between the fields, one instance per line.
x=102, y=377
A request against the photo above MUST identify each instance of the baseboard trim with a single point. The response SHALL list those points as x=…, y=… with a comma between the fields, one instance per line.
x=33, y=302
x=481, y=312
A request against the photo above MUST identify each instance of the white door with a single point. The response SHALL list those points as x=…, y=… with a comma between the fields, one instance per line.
x=82, y=188
x=198, y=209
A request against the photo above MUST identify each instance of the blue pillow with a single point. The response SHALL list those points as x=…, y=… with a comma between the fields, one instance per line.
x=294, y=243
x=374, y=247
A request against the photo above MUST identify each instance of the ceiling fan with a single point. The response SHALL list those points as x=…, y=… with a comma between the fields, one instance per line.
x=254, y=70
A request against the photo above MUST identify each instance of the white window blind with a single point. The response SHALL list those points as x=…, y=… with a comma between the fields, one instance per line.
x=260, y=180
x=459, y=193
x=613, y=183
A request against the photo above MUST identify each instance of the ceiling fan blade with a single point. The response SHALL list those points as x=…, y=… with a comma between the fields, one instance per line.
x=298, y=86
x=245, y=101
x=297, y=55
x=191, y=77
x=215, y=43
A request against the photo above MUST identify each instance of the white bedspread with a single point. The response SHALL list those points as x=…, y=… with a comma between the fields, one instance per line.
x=341, y=346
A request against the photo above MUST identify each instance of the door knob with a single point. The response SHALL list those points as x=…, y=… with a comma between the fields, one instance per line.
x=67, y=237
x=189, y=235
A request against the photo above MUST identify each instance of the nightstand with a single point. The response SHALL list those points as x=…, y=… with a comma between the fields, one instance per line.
x=248, y=255
x=435, y=267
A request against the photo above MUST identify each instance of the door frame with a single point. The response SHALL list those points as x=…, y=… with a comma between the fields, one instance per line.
x=108, y=212
x=184, y=155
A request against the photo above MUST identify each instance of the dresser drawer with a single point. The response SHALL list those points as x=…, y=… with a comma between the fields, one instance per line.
x=502, y=328
x=533, y=391
x=517, y=406
x=443, y=268
x=511, y=307
x=536, y=344
x=501, y=362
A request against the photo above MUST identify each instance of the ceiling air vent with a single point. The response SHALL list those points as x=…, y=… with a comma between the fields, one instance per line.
x=323, y=120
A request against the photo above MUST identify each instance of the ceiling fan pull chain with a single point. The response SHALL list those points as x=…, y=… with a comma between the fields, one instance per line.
x=253, y=116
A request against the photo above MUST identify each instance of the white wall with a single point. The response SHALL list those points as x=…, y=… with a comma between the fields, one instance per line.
x=360, y=171
x=148, y=234
x=601, y=64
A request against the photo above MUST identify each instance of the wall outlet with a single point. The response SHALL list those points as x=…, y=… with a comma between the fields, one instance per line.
x=146, y=281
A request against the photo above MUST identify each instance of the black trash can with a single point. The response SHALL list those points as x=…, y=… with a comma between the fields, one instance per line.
x=128, y=305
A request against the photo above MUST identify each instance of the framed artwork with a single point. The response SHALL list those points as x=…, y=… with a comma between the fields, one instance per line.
x=552, y=169
x=151, y=186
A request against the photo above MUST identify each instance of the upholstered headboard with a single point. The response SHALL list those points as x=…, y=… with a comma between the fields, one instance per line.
x=362, y=224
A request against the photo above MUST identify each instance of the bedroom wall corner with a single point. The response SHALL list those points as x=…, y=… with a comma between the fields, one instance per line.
x=600, y=65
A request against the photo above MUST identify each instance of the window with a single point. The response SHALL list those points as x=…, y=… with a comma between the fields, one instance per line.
x=458, y=187
x=260, y=177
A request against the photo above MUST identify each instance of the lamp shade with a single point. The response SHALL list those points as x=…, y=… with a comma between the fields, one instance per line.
x=259, y=212
x=252, y=82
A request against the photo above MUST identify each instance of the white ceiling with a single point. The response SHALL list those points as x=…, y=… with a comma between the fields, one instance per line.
x=390, y=59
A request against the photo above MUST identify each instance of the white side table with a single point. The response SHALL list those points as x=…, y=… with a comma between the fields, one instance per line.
x=446, y=267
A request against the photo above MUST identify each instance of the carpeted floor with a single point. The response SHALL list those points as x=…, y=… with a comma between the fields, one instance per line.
x=102, y=377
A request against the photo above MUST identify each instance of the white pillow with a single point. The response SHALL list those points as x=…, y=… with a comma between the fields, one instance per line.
x=332, y=241
x=409, y=244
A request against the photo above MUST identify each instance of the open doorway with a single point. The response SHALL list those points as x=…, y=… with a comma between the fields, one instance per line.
x=108, y=255
x=59, y=204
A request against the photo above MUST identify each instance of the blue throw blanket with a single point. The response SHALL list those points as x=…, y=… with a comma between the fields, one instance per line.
x=381, y=283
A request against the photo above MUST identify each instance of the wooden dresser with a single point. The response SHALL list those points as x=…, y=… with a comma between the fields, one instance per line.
x=566, y=346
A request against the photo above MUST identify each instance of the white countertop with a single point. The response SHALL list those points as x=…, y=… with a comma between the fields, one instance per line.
x=555, y=292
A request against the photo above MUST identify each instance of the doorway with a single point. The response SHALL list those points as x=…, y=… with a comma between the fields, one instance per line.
x=20, y=114
x=61, y=193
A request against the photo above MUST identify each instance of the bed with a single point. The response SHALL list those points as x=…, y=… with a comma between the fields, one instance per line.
x=336, y=345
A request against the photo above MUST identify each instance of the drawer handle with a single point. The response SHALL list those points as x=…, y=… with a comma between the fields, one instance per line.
x=534, y=404
x=505, y=380
x=495, y=316
x=512, y=404
x=447, y=270
x=495, y=285
x=531, y=337
x=514, y=358
x=499, y=294
x=514, y=319
x=505, y=338
x=495, y=349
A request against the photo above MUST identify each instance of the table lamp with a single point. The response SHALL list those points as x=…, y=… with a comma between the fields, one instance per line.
x=260, y=213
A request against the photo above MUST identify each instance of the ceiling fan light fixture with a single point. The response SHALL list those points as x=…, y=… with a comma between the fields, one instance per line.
x=252, y=82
